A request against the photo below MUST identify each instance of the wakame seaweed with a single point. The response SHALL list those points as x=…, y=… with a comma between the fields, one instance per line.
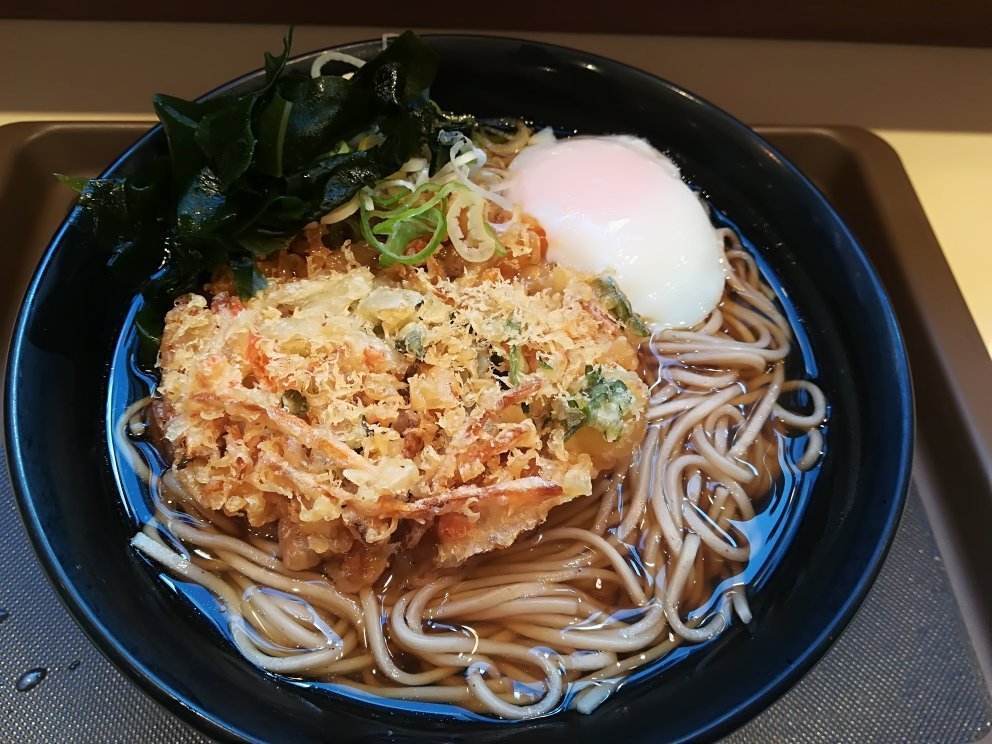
x=246, y=172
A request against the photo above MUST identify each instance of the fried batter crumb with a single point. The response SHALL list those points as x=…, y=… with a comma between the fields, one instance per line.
x=342, y=404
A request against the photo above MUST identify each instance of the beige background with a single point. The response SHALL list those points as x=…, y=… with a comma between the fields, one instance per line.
x=932, y=104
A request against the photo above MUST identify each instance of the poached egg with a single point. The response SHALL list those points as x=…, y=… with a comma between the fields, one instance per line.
x=615, y=205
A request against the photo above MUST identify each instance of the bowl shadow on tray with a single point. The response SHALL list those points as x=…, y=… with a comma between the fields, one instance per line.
x=67, y=491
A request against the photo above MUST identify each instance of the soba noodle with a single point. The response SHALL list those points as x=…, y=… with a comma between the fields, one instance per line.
x=610, y=583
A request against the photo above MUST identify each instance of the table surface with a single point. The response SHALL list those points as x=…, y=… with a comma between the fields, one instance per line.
x=930, y=103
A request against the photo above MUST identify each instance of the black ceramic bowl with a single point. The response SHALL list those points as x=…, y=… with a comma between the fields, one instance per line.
x=58, y=454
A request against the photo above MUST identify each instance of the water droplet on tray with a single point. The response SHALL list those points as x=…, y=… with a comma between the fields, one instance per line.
x=31, y=679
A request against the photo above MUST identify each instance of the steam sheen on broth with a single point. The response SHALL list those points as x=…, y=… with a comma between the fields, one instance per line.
x=658, y=558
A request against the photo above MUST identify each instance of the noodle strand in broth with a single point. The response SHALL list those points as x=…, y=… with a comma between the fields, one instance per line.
x=609, y=583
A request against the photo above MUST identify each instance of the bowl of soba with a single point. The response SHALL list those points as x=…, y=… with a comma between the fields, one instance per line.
x=456, y=387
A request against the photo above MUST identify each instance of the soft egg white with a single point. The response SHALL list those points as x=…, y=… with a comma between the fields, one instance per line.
x=615, y=205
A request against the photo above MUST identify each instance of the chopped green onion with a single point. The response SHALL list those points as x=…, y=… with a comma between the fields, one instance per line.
x=400, y=219
x=388, y=201
x=403, y=234
x=480, y=245
x=404, y=200
x=386, y=226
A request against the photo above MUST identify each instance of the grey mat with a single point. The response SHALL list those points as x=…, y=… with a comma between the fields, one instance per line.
x=903, y=671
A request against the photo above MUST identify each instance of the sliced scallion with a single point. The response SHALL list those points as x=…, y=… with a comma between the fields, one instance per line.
x=391, y=252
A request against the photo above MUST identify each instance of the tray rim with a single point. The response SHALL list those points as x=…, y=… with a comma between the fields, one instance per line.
x=940, y=318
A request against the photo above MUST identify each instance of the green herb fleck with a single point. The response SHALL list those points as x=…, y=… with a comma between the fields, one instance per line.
x=602, y=404
x=295, y=403
x=616, y=302
x=411, y=343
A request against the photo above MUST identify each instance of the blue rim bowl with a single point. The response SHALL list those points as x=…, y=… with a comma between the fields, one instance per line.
x=56, y=434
